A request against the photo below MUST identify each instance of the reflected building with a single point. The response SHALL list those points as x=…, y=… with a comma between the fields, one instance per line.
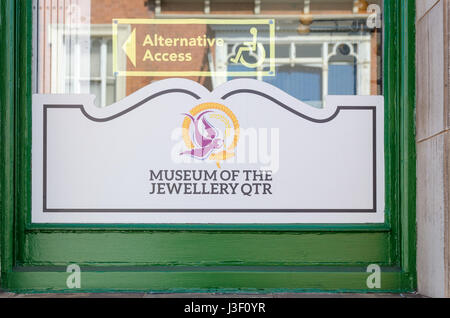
x=322, y=47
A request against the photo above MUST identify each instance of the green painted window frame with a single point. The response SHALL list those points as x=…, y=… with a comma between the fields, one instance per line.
x=228, y=258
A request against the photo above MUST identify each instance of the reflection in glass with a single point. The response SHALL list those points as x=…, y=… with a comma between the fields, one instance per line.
x=323, y=47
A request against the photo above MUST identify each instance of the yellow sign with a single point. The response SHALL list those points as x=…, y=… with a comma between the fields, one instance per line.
x=185, y=47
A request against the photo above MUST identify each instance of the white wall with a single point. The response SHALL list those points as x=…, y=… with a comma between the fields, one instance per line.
x=433, y=144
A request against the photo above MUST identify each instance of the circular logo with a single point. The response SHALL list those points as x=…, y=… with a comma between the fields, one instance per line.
x=210, y=132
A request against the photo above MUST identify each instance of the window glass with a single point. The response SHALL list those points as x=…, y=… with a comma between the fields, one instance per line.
x=321, y=47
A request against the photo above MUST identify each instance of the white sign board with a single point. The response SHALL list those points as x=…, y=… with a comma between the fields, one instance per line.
x=173, y=152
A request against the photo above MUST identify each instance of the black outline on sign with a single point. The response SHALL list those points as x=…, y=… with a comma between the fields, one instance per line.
x=241, y=91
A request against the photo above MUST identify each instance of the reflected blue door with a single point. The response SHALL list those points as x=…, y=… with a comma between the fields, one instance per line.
x=342, y=80
x=305, y=83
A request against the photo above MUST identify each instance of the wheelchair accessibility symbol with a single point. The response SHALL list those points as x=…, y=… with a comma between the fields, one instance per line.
x=254, y=48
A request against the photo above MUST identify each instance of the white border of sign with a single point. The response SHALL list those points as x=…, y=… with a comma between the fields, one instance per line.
x=40, y=214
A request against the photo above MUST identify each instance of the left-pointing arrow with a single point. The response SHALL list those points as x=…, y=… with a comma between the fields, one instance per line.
x=129, y=47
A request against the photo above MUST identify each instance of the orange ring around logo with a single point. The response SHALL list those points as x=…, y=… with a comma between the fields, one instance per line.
x=225, y=154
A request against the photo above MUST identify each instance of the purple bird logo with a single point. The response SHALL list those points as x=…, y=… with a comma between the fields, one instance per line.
x=206, y=143
x=204, y=140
